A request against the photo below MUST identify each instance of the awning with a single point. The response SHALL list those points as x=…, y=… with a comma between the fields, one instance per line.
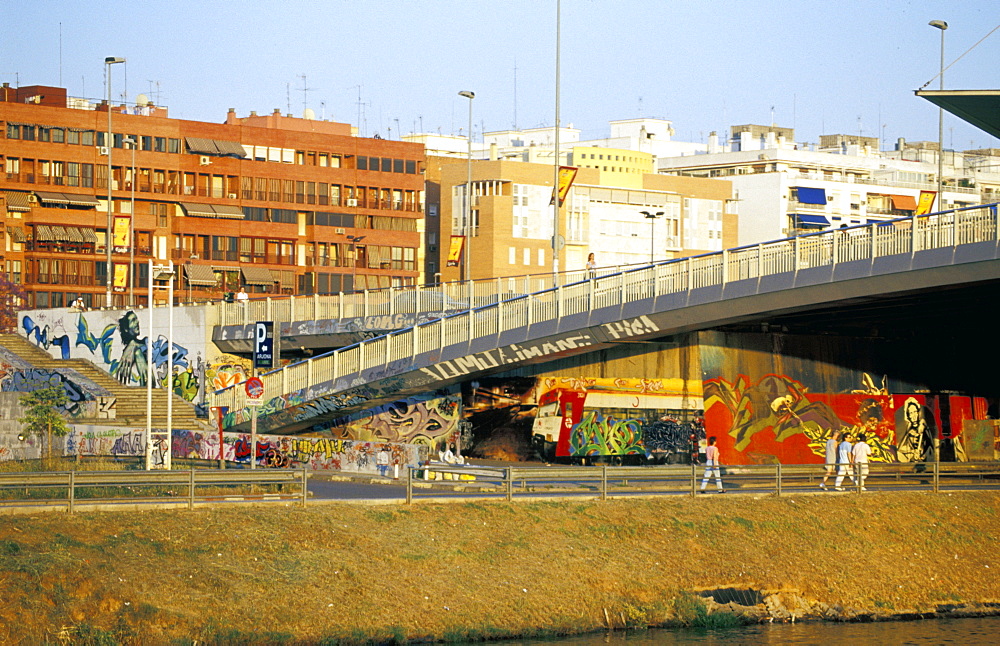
x=60, y=234
x=44, y=233
x=228, y=211
x=17, y=234
x=230, y=148
x=17, y=201
x=201, y=146
x=287, y=278
x=88, y=235
x=809, y=195
x=904, y=202
x=198, y=210
x=804, y=220
x=74, y=234
x=52, y=198
x=257, y=276
x=81, y=200
x=200, y=275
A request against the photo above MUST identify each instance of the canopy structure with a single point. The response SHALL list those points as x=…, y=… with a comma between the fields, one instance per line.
x=981, y=108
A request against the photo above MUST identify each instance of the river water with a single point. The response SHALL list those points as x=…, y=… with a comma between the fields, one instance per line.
x=932, y=631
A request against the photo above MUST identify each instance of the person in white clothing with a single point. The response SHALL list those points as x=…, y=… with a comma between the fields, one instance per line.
x=845, y=462
x=831, y=457
x=712, y=466
x=859, y=455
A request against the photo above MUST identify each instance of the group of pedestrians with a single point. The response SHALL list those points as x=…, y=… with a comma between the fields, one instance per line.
x=847, y=459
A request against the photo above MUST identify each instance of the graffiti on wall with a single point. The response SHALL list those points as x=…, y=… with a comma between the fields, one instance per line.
x=777, y=419
x=118, y=346
x=428, y=422
x=84, y=398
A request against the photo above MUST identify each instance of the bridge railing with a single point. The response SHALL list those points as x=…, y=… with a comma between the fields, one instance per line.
x=821, y=249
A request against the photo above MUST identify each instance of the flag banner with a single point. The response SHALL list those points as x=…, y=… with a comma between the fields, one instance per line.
x=926, y=202
x=120, y=241
x=566, y=176
x=455, y=251
x=121, y=277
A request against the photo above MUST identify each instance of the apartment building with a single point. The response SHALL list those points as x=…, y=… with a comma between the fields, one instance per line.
x=272, y=203
x=512, y=218
x=786, y=188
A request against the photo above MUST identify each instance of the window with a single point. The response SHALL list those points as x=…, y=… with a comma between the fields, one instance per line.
x=146, y=142
x=397, y=165
x=527, y=256
x=362, y=163
x=411, y=167
x=541, y=257
x=13, y=131
x=386, y=165
x=87, y=138
x=174, y=145
x=160, y=144
x=511, y=255
x=73, y=137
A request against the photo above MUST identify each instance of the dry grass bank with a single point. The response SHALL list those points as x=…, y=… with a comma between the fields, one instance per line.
x=395, y=573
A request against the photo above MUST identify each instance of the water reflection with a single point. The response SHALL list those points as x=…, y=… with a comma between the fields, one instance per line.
x=933, y=631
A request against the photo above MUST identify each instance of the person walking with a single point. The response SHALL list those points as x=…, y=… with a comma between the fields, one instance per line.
x=859, y=455
x=712, y=466
x=831, y=457
x=845, y=462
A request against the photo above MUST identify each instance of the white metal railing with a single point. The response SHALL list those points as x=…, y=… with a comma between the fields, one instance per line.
x=825, y=248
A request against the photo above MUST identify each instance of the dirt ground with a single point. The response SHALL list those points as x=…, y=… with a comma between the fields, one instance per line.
x=351, y=573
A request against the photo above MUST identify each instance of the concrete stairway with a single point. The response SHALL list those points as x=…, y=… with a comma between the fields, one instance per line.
x=130, y=407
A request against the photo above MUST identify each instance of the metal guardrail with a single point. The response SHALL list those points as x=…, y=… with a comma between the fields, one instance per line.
x=821, y=249
x=69, y=489
x=621, y=482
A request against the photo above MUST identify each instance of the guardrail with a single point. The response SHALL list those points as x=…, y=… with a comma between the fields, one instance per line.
x=70, y=489
x=821, y=249
x=616, y=481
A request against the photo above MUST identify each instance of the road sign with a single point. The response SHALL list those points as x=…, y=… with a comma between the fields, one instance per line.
x=255, y=390
x=263, y=347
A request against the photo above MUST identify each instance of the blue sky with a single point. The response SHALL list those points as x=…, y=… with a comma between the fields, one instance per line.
x=823, y=67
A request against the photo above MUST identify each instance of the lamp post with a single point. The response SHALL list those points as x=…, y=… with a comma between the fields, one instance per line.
x=109, y=144
x=158, y=272
x=354, y=261
x=652, y=240
x=942, y=25
x=468, y=191
x=131, y=143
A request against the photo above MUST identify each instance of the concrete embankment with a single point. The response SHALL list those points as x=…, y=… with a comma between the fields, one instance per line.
x=488, y=569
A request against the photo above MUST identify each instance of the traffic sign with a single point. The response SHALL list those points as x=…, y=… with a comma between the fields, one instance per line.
x=255, y=390
x=263, y=347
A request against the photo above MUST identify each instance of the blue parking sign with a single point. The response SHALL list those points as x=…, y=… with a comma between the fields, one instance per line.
x=263, y=346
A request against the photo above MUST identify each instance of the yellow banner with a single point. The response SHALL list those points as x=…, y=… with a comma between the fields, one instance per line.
x=455, y=251
x=926, y=202
x=120, y=241
x=121, y=277
x=566, y=176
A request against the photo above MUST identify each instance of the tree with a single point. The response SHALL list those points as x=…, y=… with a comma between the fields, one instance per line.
x=44, y=413
x=11, y=302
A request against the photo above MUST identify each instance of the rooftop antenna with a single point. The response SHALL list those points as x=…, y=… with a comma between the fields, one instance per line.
x=288, y=97
x=515, y=94
x=772, y=116
x=305, y=93
x=399, y=133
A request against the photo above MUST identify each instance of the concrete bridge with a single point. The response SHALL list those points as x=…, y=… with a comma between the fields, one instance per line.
x=849, y=267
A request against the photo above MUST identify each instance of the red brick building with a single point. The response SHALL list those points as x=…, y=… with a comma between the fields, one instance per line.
x=276, y=204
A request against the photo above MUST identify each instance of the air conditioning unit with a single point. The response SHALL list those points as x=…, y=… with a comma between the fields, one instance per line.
x=339, y=230
x=351, y=201
x=204, y=160
x=232, y=196
x=32, y=198
x=102, y=150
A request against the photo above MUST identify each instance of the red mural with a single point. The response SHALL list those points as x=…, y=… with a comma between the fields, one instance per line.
x=778, y=420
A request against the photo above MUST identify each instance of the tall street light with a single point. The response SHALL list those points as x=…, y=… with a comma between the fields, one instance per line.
x=131, y=143
x=942, y=25
x=109, y=144
x=652, y=240
x=468, y=191
x=354, y=262
x=160, y=272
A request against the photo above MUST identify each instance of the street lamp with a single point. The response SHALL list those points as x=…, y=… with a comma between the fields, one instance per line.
x=160, y=272
x=652, y=221
x=354, y=261
x=468, y=191
x=942, y=25
x=131, y=143
x=109, y=144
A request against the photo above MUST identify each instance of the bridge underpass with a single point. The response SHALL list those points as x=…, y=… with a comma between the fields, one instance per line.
x=948, y=258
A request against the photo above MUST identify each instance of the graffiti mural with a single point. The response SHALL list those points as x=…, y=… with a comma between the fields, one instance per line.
x=114, y=341
x=429, y=422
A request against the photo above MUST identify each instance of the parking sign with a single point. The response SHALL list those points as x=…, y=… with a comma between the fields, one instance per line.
x=263, y=347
